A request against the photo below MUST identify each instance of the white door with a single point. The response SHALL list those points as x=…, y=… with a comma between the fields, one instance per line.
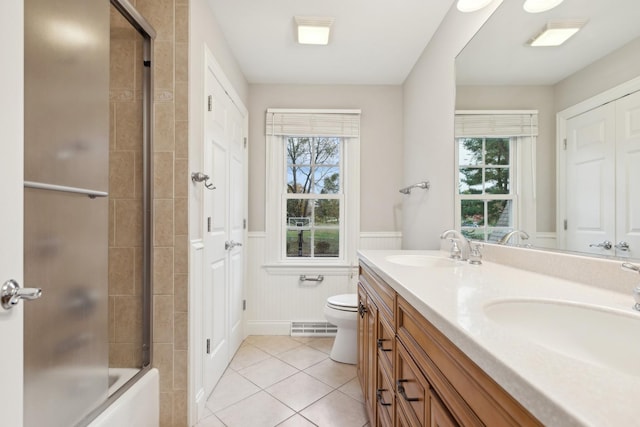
x=237, y=225
x=11, y=191
x=628, y=175
x=224, y=210
x=590, y=195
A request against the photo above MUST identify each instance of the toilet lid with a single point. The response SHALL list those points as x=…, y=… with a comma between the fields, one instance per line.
x=343, y=302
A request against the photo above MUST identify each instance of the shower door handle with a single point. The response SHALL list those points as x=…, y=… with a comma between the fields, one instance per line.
x=11, y=294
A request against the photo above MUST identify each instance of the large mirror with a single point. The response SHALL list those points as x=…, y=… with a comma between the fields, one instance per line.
x=581, y=94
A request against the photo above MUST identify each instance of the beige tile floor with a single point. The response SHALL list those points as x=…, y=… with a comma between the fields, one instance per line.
x=288, y=382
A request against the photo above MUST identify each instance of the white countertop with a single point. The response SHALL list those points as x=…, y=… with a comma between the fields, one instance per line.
x=559, y=390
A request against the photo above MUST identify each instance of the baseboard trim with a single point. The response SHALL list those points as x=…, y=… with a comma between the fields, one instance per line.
x=268, y=328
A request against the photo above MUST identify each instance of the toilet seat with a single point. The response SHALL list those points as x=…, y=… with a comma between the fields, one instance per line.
x=344, y=302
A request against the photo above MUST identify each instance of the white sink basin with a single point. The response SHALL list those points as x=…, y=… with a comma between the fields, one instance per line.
x=415, y=260
x=593, y=334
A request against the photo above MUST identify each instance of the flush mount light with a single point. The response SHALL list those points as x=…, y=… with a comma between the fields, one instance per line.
x=471, y=5
x=537, y=6
x=313, y=29
x=556, y=32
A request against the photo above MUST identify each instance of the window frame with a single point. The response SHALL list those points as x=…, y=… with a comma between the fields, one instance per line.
x=275, y=200
x=524, y=127
x=340, y=196
x=488, y=197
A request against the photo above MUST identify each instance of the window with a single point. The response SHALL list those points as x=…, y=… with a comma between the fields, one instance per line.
x=312, y=206
x=314, y=196
x=485, y=187
x=495, y=158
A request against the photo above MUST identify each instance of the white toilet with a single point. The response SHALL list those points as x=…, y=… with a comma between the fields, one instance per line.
x=342, y=311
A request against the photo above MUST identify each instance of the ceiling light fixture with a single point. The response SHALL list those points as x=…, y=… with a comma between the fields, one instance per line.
x=537, y=6
x=472, y=5
x=556, y=33
x=313, y=29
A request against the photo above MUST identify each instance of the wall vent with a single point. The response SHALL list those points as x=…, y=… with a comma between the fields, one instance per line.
x=315, y=329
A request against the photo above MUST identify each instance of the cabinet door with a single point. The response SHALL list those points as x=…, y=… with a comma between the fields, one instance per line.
x=385, y=398
x=412, y=389
x=371, y=318
x=362, y=338
x=385, y=343
x=440, y=416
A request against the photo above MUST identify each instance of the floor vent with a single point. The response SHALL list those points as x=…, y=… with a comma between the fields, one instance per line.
x=315, y=329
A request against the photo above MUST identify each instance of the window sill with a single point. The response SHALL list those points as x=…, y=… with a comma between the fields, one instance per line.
x=288, y=268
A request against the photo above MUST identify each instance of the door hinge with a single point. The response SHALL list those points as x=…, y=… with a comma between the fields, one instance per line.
x=245, y=142
x=565, y=224
x=146, y=63
x=564, y=144
x=244, y=305
x=208, y=346
x=244, y=224
x=209, y=224
x=210, y=103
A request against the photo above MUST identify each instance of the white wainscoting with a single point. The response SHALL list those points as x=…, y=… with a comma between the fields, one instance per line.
x=276, y=296
x=545, y=239
x=197, y=395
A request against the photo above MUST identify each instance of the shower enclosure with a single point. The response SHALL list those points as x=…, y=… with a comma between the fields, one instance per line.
x=87, y=206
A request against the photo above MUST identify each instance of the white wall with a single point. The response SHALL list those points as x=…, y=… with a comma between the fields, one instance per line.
x=380, y=145
x=204, y=31
x=605, y=73
x=429, y=103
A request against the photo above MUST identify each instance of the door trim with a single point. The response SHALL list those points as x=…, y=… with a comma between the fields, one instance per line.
x=562, y=117
x=196, y=395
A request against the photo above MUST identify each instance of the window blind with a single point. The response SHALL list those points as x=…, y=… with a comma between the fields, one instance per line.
x=313, y=123
x=498, y=125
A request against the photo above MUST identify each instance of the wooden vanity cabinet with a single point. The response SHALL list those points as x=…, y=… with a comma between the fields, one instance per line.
x=413, y=375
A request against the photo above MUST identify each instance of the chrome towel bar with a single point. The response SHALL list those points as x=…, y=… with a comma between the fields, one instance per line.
x=52, y=187
x=425, y=185
x=305, y=278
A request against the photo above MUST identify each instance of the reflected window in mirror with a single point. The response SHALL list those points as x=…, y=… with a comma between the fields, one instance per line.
x=494, y=169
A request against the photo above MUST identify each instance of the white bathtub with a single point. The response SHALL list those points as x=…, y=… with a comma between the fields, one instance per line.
x=139, y=406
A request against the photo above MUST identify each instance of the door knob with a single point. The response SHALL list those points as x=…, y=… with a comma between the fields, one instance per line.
x=11, y=294
x=230, y=244
x=623, y=246
x=606, y=245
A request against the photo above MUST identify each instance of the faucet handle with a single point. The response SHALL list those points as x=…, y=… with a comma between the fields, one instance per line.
x=475, y=256
x=456, y=252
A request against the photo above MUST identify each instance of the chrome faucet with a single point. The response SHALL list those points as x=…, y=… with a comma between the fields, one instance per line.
x=636, y=291
x=456, y=252
x=505, y=239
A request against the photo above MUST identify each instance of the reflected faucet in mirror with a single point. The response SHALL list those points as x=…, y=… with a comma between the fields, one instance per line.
x=505, y=239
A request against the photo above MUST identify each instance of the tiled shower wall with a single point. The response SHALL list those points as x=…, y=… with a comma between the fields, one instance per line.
x=169, y=18
x=170, y=261
x=125, y=196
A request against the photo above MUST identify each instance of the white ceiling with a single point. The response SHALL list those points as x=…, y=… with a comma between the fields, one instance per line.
x=372, y=41
x=498, y=54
